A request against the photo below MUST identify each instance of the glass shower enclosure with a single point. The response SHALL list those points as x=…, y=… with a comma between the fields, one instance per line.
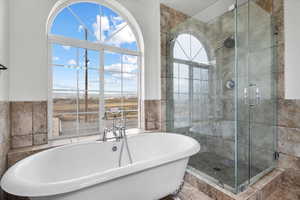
x=221, y=88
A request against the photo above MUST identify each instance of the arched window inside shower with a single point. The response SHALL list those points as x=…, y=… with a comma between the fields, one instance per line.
x=190, y=71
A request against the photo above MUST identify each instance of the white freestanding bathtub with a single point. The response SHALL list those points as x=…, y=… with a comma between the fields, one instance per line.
x=90, y=171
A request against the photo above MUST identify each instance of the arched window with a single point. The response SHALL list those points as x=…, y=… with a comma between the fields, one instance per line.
x=94, y=70
x=190, y=80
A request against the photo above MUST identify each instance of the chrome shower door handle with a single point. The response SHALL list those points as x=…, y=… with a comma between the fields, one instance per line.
x=246, y=95
x=257, y=96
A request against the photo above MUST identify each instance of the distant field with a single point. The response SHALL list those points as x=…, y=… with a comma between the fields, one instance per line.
x=64, y=112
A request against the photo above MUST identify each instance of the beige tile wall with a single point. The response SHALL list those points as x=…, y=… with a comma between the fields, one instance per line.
x=28, y=124
x=4, y=135
x=288, y=111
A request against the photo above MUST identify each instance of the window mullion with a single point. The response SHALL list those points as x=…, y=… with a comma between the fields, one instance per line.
x=139, y=91
x=101, y=94
x=77, y=98
x=100, y=27
x=191, y=93
x=122, y=92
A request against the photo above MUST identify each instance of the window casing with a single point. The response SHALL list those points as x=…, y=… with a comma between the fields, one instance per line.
x=190, y=81
x=92, y=73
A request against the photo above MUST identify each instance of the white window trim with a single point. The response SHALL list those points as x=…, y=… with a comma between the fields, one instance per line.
x=131, y=22
x=101, y=48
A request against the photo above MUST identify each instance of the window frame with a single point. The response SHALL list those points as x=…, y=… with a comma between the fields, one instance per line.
x=101, y=48
x=191, y=65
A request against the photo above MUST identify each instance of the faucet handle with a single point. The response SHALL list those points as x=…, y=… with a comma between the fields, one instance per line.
x=124, y=118
x=105, y=116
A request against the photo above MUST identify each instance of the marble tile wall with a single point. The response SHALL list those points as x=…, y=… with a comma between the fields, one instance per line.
x=4, y=136
x=288, y=111
x=28, y=124
x=152, y=115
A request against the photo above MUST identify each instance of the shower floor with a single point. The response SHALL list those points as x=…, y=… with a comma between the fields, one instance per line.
x=220, y=168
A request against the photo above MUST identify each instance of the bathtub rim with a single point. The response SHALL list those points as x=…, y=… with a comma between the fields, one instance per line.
x=10, y=181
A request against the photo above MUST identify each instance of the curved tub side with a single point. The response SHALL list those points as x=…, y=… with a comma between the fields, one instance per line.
x=18, y=186
x=149, y=184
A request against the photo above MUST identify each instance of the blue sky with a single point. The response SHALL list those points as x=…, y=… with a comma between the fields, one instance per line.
x=71, y=22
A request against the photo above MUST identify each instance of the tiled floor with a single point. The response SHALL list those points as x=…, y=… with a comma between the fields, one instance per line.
x=189, y=193
x=285, y=192
x=220, y=168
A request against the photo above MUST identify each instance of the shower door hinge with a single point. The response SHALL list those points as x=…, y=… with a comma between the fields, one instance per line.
x=276, y=155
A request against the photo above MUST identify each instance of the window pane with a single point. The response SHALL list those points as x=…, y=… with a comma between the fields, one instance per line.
x=184, y=41
x=113, y=83
x=130, y=83
x=88, y=16
x=89, y=102
x=113, y=106
x=93, y=81
x=65, y=124
x=176, y=70
x=95, y=23
x=64, y=102
x=188, y=47
x=130, y=64
x=132, y=119
x=197, y=86
x=175, y=85
x=93, y=58
x=130, y=103
x=64, y=78
x=112, y=62
x=181, y=111
x=113, y=103
x=178, y=52
x=89, y=123
x=196, y=46
x=64, y=55
x=201, y=57
x=196, y=73
x=123, y=37
x=184, y=71
x=65, y=24
x=184, y=86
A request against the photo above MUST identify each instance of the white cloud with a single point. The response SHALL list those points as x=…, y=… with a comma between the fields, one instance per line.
x=118, y=18
x=101, y=25
x=124, y=36
x=72, y=62
x=66, y=47
x=113, y=67
x=80, y=28
x=130, y=59
x=55, y=58
x=127, y=68
x=125, y=76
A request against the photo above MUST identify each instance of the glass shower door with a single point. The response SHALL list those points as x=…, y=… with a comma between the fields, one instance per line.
x=257, y=93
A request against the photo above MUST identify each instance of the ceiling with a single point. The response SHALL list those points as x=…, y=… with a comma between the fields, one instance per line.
x=204, y=10
x=189, y=7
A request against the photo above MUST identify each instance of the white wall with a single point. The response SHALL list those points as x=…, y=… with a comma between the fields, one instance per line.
x=28, y=46
x=292, y=49
x=4, y=89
